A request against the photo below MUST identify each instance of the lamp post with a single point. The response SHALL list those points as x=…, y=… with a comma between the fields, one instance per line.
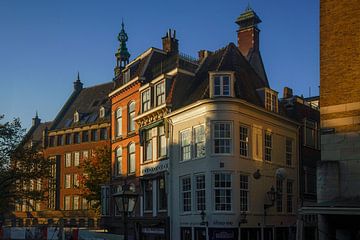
x=271, y=195
x=126, y=201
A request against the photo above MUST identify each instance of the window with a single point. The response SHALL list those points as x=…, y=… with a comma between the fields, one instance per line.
x=51, y=141
x=67, y=159
x=148, y=195
x=146, y=100
x=186, y=194
x=85, y=154
x=76, y=117
x=131, y=159
x=67, y=203
x=118, y=124
x=118, y=161
x=200, y=192
x=185, y=145
x=268, y=145
x=271, y=102
x=199, y=141
x=244, y=193
x=67, y=182
x=76, y=202
x=160, y=93
x=161, y=142
x=148, y=145
x=162, y=198
x=59, y=140
x=222, y=191
x=289, y=191
x=131, y=111
x=222, y=137
x=76, y=159
x=105, y=200
x=85, y=136
x=67, y=138
x=103, y=134
x=102, y=112
x=288, y=151
x=75, y=180
x=84, y=203
x=94, y=135
x=76, y=137
x=311, y=134
x=244, y=141
x=279, y=194
x=222, y=85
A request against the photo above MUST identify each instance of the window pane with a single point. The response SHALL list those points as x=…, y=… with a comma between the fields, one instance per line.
x=222, y=138
x=244, y=141
x=199, y=138
x=185, y=145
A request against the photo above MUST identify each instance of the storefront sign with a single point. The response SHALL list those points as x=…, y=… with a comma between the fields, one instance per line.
x=154, y=167
x=160, y=231
x=223, y=233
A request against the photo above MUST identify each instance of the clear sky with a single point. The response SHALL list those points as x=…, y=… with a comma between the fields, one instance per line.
x=43, y=44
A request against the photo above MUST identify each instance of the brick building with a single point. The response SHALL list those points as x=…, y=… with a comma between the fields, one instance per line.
x=338, y=184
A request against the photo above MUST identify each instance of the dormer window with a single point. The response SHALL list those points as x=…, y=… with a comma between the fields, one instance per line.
x=160, y=93
x=145, y=99
x=102, y=112
x=271, y=101
x=76, y=117
x=221, y=84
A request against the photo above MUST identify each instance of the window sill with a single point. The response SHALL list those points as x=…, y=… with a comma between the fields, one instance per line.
x=223, y=212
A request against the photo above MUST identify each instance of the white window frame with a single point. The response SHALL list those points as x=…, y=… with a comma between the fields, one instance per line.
x=271, y=100
x=200, y=192
x=76, y=204
x=76, y=117
x=76, y=182
x=131, y=115
x=76, y=159
x=185, y=146
x=67, y=181
x=268, y=145
x=161, y=94
x=161, y=136
x=118, y=120
x=199, y=143
x=146, y=105
x=131, y=161
x=68, y=159
x=102, y=112
x=222, y=189
x=148, y=145
x=186, y=194
x=118, y=161
x=289, y=151
x=244, y=193
x=244, y=141
x=219, y=138
x=85, y=154
x=67, y=199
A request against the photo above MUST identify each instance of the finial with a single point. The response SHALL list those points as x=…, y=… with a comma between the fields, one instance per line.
x=248, y=8
x=78, y=76
x=36, y=114
x=122, y=55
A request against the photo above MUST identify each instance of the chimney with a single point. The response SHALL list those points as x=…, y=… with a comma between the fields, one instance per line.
x=203, y=54
x=170, y=43
x=248, y=32
x=36, y=120
x=78, y=86
x=288, y=92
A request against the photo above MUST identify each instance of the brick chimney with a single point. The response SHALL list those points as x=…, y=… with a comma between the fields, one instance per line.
x=170, y=43
x=248, y=32
x=288, y=92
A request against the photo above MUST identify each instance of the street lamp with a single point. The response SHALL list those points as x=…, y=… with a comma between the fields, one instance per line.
x=126, y=201
x=271, y=195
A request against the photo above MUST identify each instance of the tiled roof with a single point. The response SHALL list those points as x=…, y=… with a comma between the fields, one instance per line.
x=35, y=133
x=87, y=103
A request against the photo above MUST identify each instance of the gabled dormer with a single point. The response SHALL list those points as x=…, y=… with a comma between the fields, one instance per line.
x=221, y=84
x=102, y=112
x=76, y=117
x=269, y=99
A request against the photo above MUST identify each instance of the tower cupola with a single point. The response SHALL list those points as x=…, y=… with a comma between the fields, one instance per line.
x=122, y=55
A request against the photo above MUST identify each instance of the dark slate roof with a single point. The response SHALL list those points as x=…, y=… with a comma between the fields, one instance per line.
x=35, y=134
x=191, y=89
x=254, y=58
x=87, y=102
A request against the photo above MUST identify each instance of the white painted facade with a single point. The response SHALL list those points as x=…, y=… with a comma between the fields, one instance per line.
x=257, y=120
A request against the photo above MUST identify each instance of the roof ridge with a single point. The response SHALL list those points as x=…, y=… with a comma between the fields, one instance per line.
x=98, y=85
x=223, y=57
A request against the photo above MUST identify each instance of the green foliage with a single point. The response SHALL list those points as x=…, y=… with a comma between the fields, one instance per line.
x=96, y=171
x=21, y=165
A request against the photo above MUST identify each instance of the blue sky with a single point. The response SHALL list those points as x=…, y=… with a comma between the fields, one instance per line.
x=43, y=44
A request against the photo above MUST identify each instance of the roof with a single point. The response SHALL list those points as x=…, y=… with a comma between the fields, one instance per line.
x=87, y=103
x=35, y=133
x=191, y=89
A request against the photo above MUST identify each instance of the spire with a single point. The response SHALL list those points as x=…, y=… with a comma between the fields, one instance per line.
x=78, y=86
x=36, y=120
x=122, y=55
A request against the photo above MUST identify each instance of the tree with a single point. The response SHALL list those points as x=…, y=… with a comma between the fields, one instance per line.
x=96, y=171
x=21, y=166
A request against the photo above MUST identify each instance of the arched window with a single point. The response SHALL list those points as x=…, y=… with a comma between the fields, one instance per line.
x=131, y=158
x=118, y=161
x=131, y=112
x=118, y=124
